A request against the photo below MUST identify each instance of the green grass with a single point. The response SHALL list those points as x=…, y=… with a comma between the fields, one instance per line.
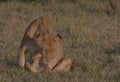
x=91, y=37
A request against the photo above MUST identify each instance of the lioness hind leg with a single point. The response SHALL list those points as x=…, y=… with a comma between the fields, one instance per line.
x=63, y=65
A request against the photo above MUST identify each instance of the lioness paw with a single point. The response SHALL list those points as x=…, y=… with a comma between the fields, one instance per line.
x=28, y=65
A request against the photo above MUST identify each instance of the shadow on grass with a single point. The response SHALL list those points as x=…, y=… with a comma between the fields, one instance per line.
x=115, y=49
x=75, y=66
x=12, y=64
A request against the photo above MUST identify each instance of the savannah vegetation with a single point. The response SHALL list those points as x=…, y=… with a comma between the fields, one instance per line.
x=90, y=31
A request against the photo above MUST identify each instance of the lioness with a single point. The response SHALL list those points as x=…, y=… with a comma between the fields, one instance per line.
x=40, y=39
x=53, y=59
x=28, y=44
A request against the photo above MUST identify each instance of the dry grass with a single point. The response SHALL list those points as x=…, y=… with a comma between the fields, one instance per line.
x=91, y=37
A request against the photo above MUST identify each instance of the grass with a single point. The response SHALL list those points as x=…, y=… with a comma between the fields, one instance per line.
x=91, y=38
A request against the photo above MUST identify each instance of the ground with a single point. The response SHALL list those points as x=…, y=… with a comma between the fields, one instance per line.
x=91, y=37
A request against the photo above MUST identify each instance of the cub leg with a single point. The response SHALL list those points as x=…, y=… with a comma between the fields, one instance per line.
x=63, y=65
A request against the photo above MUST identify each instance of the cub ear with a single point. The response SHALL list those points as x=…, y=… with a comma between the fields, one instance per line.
x=58, y=37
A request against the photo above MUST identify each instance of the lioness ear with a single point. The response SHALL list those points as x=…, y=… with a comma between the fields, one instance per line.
x=37, y=33
x=58, y=37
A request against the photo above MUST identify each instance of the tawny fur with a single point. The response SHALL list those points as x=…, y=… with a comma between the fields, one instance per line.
x=35, y=67
x=39, y=38
x=53, y=58
x=28, y=41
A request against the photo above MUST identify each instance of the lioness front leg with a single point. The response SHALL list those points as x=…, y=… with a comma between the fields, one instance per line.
x=35, y=67
x=63, y=65
x=21, y=57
